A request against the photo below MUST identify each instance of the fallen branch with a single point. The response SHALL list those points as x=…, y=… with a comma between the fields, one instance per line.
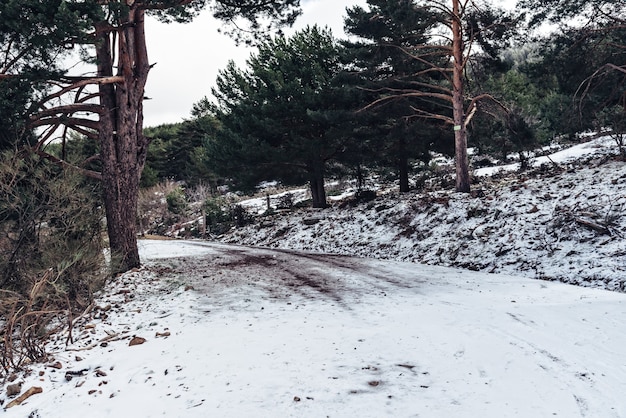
x=73, y=321
x=30, y=392
x=107, y=339
x=593, y=225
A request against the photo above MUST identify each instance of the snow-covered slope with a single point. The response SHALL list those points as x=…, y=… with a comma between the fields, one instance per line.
x=210, y=330
x=564, y=220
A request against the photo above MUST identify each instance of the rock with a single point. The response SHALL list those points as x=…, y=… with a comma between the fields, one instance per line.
x=14, y=389
x=70, y=374
x=136, y=341
x=56, y=365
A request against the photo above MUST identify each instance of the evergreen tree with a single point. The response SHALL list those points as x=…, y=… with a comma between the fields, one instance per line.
x=114, y=32
x=382, y=62
x=455, y=27
x=177, y=151
x=282, y=118
x=585, y=58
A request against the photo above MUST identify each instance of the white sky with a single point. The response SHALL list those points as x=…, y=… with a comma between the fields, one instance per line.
x=189, y=56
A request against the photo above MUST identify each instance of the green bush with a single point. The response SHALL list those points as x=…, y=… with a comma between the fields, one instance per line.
x=51, y=250
x=177, y=201
x=221, y=215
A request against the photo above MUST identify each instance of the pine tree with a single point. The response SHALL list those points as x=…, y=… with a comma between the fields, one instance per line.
x=115, y=31
x=282, y=117
x=384, y=68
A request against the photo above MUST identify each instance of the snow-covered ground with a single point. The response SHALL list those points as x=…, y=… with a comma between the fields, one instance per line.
x=232, y=331
x=565, y=220
x=221, y=330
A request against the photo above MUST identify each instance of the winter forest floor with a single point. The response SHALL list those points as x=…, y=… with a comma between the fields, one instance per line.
x=209, y=329
x=563, y=220
x=215, y=330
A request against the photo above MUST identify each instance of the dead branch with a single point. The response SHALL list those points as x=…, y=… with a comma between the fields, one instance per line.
x=30, y=392
x=68, y=110
x=401, y=94
x=593, y=225
x=587, y=82
x=84, y=82
x=88, y=173
x=73, y=321
x=107, y=339
x=71, y=122
x=430, y=115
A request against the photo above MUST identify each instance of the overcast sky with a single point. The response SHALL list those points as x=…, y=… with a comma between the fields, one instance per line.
x=188, y=57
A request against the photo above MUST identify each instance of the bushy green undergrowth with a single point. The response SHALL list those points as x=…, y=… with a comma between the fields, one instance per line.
x=51, y=250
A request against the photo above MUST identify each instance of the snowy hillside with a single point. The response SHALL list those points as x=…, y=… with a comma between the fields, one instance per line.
x=212, y=330
x=564, y=220
x=221, y=330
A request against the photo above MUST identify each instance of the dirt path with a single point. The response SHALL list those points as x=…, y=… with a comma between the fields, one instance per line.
x=282, y=274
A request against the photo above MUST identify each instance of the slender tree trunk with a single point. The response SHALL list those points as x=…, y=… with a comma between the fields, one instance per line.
x=404, y=174
x=318, y=193
x=360, y=180
x=460, y=131
x=123, y=145
x=403, y=167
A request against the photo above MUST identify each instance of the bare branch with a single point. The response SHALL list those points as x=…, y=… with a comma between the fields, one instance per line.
x=486, y=96
x=429, y=115
x=88, y=173
x=405, y=94
x=68, y=110
x=587, y=82
x=62, y=120
x=84, y=82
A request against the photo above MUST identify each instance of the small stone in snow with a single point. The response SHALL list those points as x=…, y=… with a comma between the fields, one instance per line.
x=14, y=389
x=136, y=341
x=56, y=365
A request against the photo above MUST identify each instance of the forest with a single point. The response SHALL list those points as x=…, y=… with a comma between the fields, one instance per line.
x=310, y=107
x=412, y=81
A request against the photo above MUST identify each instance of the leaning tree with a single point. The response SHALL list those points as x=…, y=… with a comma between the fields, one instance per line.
x=107, y=106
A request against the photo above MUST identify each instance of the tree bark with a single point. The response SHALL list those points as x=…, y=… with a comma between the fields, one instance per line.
x=404, y=175
x=460, y=130
x=403, y=166
x=318, y=193
x=123, y=145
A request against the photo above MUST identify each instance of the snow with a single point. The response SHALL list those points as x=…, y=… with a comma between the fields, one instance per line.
x=563, y=156
x=535, y=223
x=275, y=333
x=241, y=331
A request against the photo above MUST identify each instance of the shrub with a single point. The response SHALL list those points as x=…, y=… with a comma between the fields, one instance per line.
x=51, y=250
x=221, y=215
x=176, y=201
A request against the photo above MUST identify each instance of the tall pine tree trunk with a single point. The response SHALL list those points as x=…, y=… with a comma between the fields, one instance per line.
x=458, y=111
x=123, y=147
x=403, y=166
x=318, y=193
